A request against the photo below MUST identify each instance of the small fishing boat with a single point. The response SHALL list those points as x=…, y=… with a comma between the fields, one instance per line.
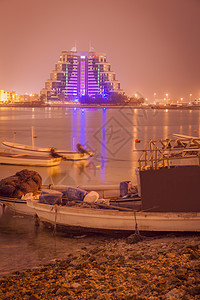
x=111, y=192
x=111, y=217
x=8, y=158
x=17, y=205
x=65, y=154
x=167, y=197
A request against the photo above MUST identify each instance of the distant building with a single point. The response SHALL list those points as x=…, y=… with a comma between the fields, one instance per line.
x=27, y=98
x=80, y=74
x=2, y=96
x=7, y=97
x=196, y=102
x=12, y=97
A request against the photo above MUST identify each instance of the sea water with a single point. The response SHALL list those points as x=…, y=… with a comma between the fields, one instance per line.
x=109, y=133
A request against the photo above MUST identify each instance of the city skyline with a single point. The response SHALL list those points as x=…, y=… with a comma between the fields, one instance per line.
x=80, y=74
x=153, y=46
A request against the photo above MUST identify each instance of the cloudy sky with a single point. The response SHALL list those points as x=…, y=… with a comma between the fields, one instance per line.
x=152, y=45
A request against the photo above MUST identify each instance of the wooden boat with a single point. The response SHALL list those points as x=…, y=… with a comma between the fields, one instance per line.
x=31, y=149
x=169, y=196
x=8, y=158
x=113, y=219
x=17, y=205
x=111, y=192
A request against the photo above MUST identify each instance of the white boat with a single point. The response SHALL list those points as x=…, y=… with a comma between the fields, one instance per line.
x=169, y=196
x=8, y=158
x=105, y=191
x=17, y=205
x=113, y=219
x=31, y=149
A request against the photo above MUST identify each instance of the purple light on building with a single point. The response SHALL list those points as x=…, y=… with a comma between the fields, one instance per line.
x=80, y=74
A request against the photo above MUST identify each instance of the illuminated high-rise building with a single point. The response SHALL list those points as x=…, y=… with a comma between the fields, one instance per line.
x=80, y=74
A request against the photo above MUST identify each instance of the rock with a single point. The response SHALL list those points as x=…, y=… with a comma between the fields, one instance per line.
x=76, y=286
x=103, y=297
x=171, y=276
x=134, y=238
x=58, y=292
x=173, y=294
x=33, y=297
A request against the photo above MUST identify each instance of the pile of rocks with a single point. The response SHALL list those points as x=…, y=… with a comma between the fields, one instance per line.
x=165, y=268
x=20, y=184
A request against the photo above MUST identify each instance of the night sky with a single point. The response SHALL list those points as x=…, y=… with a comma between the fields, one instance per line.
x=152, y=45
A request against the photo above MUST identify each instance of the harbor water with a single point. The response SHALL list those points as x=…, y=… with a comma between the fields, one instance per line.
x=110, y=133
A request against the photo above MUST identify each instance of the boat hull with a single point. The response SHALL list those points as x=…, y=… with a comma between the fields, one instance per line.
x=17, y=205
x=28, y=160
x=108, y=219
x=67, y=155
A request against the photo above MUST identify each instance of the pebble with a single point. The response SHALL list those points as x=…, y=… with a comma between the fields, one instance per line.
x=151, y=268
x=173, y=294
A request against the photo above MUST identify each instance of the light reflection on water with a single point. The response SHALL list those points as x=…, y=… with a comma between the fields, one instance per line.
x=103, y=152
x=110, y=133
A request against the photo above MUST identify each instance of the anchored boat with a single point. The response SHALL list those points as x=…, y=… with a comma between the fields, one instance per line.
x=109, y=193
x=67, y=155
x=17, y=205
x=115, y=219
x=8, y=158
x=167, y=196
x=168, y=189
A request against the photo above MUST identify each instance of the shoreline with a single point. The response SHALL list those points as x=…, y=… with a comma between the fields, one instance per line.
x=138, y=267
x=77, y=106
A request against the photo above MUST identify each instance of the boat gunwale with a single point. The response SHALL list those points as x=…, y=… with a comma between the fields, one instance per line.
x=12, y=200
x=109, y=211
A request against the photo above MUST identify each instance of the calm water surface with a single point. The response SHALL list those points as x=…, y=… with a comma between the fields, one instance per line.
x=110, y=133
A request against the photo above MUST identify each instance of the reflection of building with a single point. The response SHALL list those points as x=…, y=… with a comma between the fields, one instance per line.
x=79, y=74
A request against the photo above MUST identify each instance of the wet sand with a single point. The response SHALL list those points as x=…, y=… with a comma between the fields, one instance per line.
x=134, y=267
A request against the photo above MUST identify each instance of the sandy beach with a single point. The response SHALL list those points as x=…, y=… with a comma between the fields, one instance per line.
x=134, y=267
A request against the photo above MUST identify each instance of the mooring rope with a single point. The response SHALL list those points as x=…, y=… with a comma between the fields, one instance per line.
x=55, y=219
x=136, y=225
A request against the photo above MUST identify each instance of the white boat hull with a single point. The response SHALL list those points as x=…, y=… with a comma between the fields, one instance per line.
x=28, y=160
x=108, y=219
x=17, y=205
x=68, y=155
